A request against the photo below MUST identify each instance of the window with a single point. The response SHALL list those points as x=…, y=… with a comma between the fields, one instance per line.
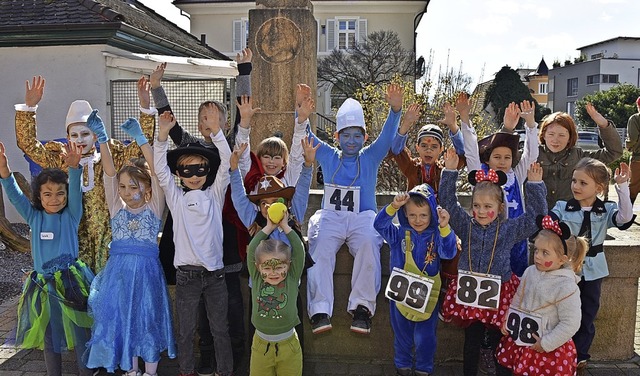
x=542, y=88
x=571, y=108
x=344, y=33
x=593, y=79
x=609, y=78
x=240, y=34
x=597, y=56
x=572, y=87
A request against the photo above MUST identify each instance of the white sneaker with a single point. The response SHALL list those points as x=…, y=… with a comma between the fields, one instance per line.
x=133, y=372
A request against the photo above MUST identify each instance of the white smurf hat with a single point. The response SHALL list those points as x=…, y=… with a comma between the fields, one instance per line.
x=350, y=114
x=79, y=112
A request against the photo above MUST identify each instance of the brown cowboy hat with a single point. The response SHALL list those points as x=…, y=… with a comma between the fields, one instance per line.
x=487, y=144
x=270, y=186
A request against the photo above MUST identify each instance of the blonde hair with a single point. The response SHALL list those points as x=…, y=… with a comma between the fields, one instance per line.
x=187, y=159
x=272, y=247
x=577, y=247
x=138, y=170
x=564, y=120
x=597, y=171
x=492, y=190
x=273, y=146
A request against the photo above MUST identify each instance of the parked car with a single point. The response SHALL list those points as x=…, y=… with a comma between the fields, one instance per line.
x=588, y=140
x=522, y=134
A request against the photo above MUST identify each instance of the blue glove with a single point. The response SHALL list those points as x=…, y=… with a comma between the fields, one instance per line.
x=97, y=126
x=133, y=129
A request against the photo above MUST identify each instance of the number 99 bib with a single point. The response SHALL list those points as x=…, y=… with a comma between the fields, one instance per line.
x=415, y=295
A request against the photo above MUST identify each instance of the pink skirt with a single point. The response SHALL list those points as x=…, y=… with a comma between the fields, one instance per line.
x=463, y=315
x=522, y=360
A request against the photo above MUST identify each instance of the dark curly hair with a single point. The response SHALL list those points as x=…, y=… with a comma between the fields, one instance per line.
x=54, y=175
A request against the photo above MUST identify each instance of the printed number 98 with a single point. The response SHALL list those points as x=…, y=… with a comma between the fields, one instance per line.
x=522, y=328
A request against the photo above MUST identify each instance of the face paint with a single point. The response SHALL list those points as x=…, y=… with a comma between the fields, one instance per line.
x=274, y=271
x=491, y=214
x=548, y=263
x=474, y=214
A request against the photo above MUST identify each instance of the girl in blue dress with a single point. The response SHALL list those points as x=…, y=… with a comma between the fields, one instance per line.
x=52, y=311
x=129, y=300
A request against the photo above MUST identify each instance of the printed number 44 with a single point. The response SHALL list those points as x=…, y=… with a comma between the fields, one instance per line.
x=339, y=201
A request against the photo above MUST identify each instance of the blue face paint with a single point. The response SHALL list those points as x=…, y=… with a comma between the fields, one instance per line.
x=351, y=141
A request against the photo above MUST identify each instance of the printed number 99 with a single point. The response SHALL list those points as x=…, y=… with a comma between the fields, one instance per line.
x=414, y=294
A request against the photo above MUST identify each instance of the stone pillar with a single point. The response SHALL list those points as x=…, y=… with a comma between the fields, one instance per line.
x=283, y=38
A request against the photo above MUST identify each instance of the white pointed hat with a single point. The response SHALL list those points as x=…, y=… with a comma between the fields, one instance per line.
x=350, y=114
x=79, y=112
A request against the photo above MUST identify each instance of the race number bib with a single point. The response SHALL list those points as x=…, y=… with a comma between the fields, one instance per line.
x=522, y=325
x=478, y=290
x=409, y=289
x=341, y=198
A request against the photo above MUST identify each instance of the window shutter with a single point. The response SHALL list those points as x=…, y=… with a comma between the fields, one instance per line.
x=362, y=30
x=331, y=34
x=237, y=35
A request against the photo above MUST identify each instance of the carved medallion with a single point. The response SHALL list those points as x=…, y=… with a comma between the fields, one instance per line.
x=278, y=40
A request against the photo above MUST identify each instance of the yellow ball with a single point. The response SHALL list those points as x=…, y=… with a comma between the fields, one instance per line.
x=276, y=212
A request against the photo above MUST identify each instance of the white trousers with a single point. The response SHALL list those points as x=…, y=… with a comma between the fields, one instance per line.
x=328, y=230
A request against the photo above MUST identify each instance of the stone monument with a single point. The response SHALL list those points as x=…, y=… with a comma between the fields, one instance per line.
x=283, y=38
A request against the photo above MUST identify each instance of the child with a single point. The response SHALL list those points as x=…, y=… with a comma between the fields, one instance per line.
x=94, y=233
x=417, y=245
x=235, y=237
x=487, y=237
x=52, y=311
x=197, y=232
x=499, y=152
x=129, y=300
x=548, y=291
x=275, y=269
x=347, y=213
x=590, y=217
x=559, y=154
x=429, y=146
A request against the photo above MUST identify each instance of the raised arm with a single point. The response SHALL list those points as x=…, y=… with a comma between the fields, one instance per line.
x=624, y=216
x=72, y=156
x=459, y=219
x=296, y=158
x=381, y=145
x=409, y=119
x=612, y=144
x=11, y=188
x=95, y=123
x=531, y=149
x=469, y=136
x=246, y=210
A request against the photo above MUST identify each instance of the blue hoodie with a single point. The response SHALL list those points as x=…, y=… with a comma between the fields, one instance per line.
x=443, y=238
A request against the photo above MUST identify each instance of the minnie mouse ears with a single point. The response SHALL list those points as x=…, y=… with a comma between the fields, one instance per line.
x=551, y=222
x=496, y=177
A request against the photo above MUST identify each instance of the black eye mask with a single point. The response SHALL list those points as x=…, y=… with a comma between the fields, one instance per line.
x=198, y=170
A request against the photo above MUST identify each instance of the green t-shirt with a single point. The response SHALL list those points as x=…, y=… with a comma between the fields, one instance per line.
x=274, y=307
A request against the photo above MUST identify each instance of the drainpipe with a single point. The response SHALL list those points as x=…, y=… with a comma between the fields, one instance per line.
x=416, y=22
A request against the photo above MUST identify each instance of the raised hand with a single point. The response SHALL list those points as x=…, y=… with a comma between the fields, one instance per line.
x=394, y=96
x=306, y=109
x=34, y=91
x=166, y=121
x=596, y=116
x=143, y=92
x=132, y=127
x=399, y=200
x=4, y=163
x=303, y=92
x=155, y=78
x=309, y=150
x=511, y=116
x=528, y=112
x=95, y=123
x=463, y=106
x=235, y=155
x=534, y=174
x=410, y=118
x=622, y=173
x=72, y=154
x=443, y=217
x=449, y=115
x=244, y=56
x=451, y=159
x=284, y=222
x=245, y=106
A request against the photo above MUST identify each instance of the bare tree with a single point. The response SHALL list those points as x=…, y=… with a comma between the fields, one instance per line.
x=373, y=61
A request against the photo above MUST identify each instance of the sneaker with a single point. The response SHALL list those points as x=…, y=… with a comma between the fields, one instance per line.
x=361, y=320
x=421, y=373
x=320, y=322
x=487, y=364
x=133, y=373
x=205, y=370
x=582, y=366
x=404, y=372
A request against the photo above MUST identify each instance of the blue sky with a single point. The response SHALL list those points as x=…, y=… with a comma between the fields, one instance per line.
x=492, y=33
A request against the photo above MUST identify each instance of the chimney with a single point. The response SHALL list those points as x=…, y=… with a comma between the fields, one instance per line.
x=203, y=39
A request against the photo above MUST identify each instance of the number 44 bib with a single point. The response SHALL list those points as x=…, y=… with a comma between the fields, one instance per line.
x=341, y=198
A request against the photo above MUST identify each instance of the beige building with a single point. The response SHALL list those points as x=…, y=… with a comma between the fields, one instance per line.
x=538, y=83
x=224, y=24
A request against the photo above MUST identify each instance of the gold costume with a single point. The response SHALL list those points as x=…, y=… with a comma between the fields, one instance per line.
x=94, y=233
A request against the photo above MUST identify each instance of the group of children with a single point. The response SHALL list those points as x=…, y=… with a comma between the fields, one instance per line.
x=229, y=195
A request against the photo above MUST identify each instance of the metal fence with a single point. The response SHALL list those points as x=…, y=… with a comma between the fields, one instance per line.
x=184, y=96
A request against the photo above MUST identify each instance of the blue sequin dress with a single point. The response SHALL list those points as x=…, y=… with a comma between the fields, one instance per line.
x=129, y=300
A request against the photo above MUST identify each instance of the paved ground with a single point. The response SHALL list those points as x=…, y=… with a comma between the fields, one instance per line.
x=14, y=362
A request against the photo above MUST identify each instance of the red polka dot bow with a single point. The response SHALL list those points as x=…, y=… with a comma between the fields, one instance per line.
x=491, y=176
x=549, y=224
